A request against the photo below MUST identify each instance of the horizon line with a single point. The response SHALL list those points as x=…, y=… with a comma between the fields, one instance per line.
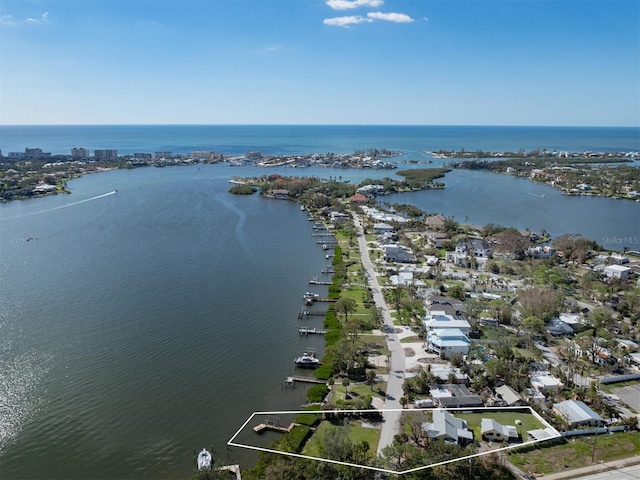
x=304, y=125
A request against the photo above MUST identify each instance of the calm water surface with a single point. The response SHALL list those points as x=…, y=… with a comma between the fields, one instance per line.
x=139, y=325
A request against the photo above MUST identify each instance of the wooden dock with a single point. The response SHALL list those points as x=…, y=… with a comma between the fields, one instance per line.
x=273, y=427
x=290, y=380
x=310, y=313
x=311, y=331
x=315, y=281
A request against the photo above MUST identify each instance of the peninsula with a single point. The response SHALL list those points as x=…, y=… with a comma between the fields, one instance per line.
x=528, y=346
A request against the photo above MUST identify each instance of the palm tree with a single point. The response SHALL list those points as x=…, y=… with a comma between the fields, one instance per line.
x=345, y=384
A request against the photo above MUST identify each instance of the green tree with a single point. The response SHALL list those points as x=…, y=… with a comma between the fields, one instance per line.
x=457, y=291
x=345, y=306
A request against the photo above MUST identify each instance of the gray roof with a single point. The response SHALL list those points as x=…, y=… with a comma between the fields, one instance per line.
x=508, y=394
x=575, y=411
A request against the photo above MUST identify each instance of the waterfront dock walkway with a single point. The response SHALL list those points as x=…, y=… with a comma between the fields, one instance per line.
x=311, y=331
x=290, y=380
x=273, y=427
x=310, y=313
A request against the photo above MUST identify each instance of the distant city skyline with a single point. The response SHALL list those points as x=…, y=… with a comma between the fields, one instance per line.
x=364, y=62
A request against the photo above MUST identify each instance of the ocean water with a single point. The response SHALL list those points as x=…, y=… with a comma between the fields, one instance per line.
x=136, y=326
x=288, y=139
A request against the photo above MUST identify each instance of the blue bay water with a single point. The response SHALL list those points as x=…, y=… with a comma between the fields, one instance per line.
x=139, y=325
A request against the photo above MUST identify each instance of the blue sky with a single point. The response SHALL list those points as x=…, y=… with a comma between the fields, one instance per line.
x=450, y=62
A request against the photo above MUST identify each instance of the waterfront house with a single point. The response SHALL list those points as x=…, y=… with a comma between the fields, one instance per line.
x=496, y=432
x=436, y=222
x=617, y=271
x=280, y=194
x=447, y=428
x=578, y=414
x=339, y=218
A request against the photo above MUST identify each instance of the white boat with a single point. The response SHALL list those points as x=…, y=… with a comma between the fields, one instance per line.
x=204, y=460
x=307, y=360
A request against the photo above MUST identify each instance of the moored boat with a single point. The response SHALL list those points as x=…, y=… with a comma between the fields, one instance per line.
x=204, y=460
x=307, y=360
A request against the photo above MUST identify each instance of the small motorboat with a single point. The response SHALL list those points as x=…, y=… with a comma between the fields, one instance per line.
x=204, y=460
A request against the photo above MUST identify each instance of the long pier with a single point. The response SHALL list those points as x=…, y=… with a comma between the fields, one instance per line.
x=311, y=331
x=315, y=281
x=290, y=380
x=310, y=313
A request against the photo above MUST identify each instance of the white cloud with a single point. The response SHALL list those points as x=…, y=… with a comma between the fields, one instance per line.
x=43, y=18
x=351, y=4
x=346, y=21
x=391, y=17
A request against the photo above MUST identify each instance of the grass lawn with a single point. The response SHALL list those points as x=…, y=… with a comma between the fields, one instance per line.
x=412, y=339
x=358, y=390
x=577, y=452
x=356, y=434
x=527, y=354
x=609, y=387
x=474, y=421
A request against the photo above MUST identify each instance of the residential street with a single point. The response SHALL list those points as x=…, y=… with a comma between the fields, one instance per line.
x=392, y=406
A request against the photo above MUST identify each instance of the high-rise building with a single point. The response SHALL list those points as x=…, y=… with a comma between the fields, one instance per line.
x=80, y=153
x=105, y=154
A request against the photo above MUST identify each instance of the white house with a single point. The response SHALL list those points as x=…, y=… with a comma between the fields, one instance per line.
x=446, y=427
x=467, y=250
x=496, y=432
x=546, y=383
x=447, y=341
x=439, y=320
x=617, y=271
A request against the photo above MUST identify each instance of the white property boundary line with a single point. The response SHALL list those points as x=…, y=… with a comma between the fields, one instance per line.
x=381, y=412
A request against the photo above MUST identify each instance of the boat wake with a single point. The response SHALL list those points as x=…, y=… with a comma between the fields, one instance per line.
x=83, y=201
x=67, y=205
x=242, y=217
x=535, y=195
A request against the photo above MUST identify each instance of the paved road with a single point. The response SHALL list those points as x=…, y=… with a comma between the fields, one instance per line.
x=398, y=361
